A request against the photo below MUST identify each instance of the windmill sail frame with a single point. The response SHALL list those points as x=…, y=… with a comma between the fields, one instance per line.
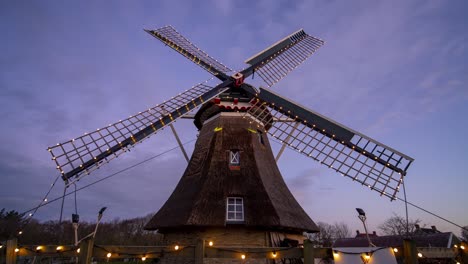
x=86, y=153
x=340, y=148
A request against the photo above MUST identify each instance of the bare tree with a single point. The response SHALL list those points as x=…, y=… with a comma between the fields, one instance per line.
x=396, y=225
x=341, y=230
x=329, y=233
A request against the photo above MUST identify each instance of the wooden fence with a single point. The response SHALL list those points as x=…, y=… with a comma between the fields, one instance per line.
x=88, y=251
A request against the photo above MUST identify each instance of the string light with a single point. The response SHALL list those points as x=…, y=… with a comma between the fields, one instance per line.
x=242, y=256
x=420, y=254
x=20, y=232
x=273, y=254
x=59, y=248
x=462, y=247
x=78, y=250
x=109, y=255
x=38, y=248
x=455, y=246
x=176, y=247
x=395, y=250
x=210, y=243
x=335, y=254
x=367, y=256
x=16, y=250
x=143, y=258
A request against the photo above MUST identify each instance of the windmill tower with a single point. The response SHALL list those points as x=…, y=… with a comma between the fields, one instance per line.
x=232, y=192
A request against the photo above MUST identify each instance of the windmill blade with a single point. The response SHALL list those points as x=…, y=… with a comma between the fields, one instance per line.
x=342, y=149
x=169, y=36
x=88, y=152
x=275, y=62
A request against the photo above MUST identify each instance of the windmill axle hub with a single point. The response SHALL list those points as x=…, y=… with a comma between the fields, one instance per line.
x=238, y=79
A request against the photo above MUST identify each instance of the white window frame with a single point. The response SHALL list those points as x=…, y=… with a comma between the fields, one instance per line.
x=235, y=202
x=234, y=157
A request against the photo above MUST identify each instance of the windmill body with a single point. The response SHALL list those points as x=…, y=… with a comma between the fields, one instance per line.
x=232, y=184
x=232, y=192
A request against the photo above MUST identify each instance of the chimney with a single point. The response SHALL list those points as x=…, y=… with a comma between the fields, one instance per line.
x=416, y=226
x=434, y=228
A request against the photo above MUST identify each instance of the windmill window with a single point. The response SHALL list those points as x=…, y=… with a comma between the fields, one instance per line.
x=234, y=157
x=235, y=209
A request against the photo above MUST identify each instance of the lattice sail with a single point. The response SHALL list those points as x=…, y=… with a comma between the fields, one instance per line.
x=275, y=62
x=348, y=152
x=169, y=36
x=86, y=153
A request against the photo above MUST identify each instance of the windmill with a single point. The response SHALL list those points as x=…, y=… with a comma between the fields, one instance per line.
x=232, y=185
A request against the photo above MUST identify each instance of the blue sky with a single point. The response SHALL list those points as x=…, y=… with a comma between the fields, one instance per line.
x=395, y=71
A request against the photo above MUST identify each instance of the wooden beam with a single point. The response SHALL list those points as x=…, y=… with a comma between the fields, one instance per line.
x=199, y=251
x=409, y=252
x=86, y=251
x=12, y=244
x=253, y=252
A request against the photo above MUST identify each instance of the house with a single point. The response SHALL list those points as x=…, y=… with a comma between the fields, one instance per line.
x=435, y=246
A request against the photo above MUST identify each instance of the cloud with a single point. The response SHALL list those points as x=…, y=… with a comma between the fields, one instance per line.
x=71, y=68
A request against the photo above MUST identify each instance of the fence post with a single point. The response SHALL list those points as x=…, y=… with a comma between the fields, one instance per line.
x=409, y=252
x=308, y=252
x=12, y=244
x=199, y=251
x=86, y=250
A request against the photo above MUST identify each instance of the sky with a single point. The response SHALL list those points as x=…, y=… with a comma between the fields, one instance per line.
x=393, y=70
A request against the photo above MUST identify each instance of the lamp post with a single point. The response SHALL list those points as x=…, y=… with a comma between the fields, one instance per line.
x=362, y=217
x=93, y=234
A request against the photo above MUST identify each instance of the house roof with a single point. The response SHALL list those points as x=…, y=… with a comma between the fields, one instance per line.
x=446, y=240
x=199, y=200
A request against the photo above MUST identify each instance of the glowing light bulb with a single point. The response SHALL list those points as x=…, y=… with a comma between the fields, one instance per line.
x=38, y=248
x=59, y=248
x=462, y=247
x=210, y=243
x=20, y=232
x=143, y=258
x=242, y=256
x=109, y=255
x=16, y=249
x=176, y=247
x=420, y=255
x=367, y=256
x=78, y=251
x=395, y=250
x=335, y=254
x=274, y=254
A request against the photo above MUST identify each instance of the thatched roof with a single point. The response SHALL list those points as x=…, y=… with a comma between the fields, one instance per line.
x=199, y=199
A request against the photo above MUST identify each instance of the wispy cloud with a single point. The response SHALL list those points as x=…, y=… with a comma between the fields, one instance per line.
x=70, y=68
